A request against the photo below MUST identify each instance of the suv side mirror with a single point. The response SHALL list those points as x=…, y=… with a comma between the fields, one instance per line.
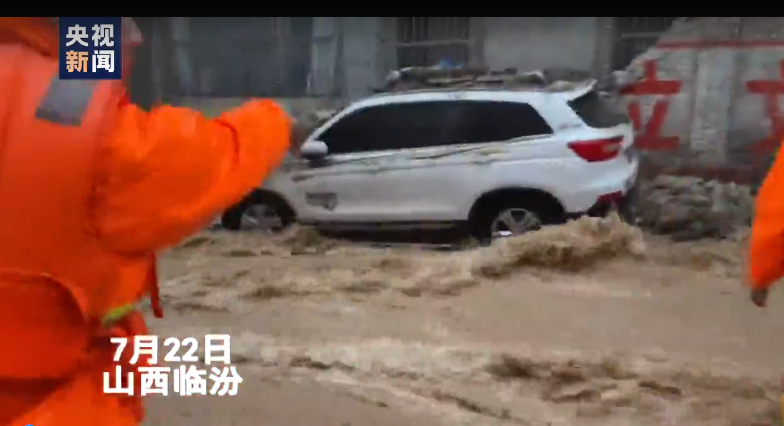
x=313, y=149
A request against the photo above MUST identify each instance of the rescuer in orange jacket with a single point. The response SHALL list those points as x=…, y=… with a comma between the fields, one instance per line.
x=90, y=187
x=766, y=251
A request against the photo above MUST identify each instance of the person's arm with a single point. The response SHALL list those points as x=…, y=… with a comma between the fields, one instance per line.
x=164, y=175
x=766, y=251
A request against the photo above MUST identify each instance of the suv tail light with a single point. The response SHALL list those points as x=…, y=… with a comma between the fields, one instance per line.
x=597, y=150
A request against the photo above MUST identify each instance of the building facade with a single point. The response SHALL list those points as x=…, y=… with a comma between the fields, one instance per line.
x=345, y=56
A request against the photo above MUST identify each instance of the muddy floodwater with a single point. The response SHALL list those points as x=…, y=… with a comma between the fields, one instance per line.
x=589, y=323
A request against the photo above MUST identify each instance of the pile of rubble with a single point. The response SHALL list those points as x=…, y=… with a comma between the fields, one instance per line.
x=690, y=208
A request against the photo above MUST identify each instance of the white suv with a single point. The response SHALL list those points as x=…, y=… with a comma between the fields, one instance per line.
x=497, y=162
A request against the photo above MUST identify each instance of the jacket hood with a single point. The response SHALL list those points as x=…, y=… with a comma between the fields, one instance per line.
x=35, y=32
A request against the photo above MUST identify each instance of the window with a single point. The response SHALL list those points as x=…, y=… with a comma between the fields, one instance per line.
x=635, y=35
x=426, y=41
x=493, y=121
x=394, y=126
x=599, y=111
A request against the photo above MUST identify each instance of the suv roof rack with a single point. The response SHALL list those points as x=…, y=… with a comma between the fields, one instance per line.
x=424, y=79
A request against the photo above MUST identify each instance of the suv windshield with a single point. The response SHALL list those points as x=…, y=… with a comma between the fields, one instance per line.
x=599, y=111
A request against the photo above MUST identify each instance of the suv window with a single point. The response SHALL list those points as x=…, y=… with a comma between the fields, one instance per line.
x=599, y=111
x=493, y=121
x=393, y=126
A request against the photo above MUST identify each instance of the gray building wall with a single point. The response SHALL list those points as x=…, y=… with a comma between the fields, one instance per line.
x=525, y=43
x=529, y=43
x=340, y=57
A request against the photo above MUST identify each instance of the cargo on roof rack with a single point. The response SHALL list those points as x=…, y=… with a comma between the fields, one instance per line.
x=467, y=78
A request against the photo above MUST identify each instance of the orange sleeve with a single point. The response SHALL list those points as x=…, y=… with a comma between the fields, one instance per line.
x=165, y=174
x=766, y=251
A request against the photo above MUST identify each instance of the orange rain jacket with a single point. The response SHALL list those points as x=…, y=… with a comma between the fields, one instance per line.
x=766, y=253
x=90, y=187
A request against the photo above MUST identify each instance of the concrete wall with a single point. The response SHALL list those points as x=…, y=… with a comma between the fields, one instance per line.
x=530, y=43
x=525, y=43
x=363, y=41
x=239, y=56
x=172, y=65
x=709, y=102
x=349, y=55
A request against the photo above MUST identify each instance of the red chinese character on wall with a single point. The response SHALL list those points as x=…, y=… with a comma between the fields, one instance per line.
x=649, y=135
x=771, y=89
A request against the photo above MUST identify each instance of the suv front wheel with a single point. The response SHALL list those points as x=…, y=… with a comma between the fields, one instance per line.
x=259, y=212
